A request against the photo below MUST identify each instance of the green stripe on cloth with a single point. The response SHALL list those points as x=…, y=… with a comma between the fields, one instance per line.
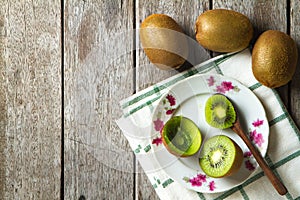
x=278, y=119
x=148, y=103
x=243, y=192
x=219, y=61
x=259, y=175
x=298, y=198
x=138, y=98
x=201, y=196
x=292, y=123
x=287, y=159
x=167, y=182
x=294, y=127
x=270, y=163
x=279, y=100
x=205, y=68
x=296, y=130
x=147, y=148
x=289, y=196
x=224, y=58
x=190, y=72
x=233, y=190
x=151, y=92
x=157, y=89
x=255, y=86
x=219, y=71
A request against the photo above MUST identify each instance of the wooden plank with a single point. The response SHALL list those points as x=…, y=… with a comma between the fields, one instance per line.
x=264, y=15
x=185, y=13
x=30, y=87
x=98, y=73
x=294, y=86
x=3, y=110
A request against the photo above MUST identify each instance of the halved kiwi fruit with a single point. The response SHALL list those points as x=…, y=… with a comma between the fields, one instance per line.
x=219, y=112
x=181, y=136
x=220, y=157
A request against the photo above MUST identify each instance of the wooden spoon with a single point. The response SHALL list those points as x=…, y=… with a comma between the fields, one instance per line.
x=278, y=185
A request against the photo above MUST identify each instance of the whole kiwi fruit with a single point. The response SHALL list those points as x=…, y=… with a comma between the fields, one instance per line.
x=223, y=30
x=164, y=41
x=274, y=58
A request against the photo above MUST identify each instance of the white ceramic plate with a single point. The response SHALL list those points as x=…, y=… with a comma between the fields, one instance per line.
x=187, y=98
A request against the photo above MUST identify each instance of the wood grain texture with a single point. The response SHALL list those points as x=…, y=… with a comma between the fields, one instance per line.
x=185, y=14
x=294, y=86
x=30, y=62
x=3, y=110
x=264, y=15
x=98, y=73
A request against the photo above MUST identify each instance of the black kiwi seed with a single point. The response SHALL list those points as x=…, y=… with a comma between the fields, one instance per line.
x=219, y=112
x=220, y=156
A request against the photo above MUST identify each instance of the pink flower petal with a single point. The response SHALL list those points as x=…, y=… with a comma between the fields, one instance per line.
x=157, y=141
x=252, y=134
x=257, y=138
x=171, y=99
x=247, y=154
x=195, y=182
x=258, y=123
x=212, y=186
x=211, y=81
x=198, y=180
x=221, y=90
x=201, y=177
x=158, y=124
x=169, y=112
x=249, y=165
x=227, y=85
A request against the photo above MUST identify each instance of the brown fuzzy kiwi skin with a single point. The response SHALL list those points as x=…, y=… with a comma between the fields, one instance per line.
x=237, y=161
x=274, y=58
x=166, y=44
x=223, y=30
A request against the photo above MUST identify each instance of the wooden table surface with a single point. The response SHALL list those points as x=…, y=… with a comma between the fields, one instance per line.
x=64, y=68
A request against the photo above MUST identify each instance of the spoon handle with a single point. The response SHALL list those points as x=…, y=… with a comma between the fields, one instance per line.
x=278, y=185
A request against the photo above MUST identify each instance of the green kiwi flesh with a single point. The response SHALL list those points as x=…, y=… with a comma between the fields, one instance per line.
x=181, y=136
x=220, y=157
x=219, y=112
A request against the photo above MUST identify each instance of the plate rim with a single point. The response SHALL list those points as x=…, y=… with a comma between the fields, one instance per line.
x=223, y=77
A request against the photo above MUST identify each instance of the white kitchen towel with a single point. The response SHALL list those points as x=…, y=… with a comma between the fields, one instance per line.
x=283, y=154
